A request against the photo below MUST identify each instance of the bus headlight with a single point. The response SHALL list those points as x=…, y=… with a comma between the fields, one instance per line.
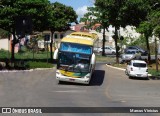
x=88, y=75
x=58, y=73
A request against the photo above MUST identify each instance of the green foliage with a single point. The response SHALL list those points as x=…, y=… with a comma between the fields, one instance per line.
x=145, y=28
x=153, y=72
x=3, y=53
x=3, y=33
x=154, y=19
x=139, y=42
x=60, y=16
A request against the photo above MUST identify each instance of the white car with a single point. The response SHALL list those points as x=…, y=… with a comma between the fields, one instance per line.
x=108, y=50
x=137, y=68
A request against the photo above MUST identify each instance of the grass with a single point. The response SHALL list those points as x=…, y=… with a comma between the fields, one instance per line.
x=27, y=59
x=105, y=59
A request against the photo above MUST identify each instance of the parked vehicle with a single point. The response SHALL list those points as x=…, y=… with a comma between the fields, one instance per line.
x=108, y=50
x=139, y=49
x=131, y=54
x=137, y=68
x=96, y=49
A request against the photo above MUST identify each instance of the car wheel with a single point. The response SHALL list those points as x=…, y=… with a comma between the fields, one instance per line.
x=113, y=53
x=126, y=72
x=60, y=82
x=147, y=78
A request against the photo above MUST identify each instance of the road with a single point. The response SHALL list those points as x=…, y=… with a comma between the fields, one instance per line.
x=109, y=88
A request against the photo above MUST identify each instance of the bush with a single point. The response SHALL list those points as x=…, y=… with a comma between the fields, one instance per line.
x=153, y=72
x=33, y=65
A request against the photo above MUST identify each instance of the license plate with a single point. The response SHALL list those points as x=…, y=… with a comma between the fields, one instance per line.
x=139, y=75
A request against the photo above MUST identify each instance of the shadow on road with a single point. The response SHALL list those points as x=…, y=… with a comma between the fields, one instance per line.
x=97, y=78
x=138, y=78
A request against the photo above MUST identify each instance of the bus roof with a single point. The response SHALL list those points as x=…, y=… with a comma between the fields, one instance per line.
x=81, y=38
x=75, y=39
x=85, y=34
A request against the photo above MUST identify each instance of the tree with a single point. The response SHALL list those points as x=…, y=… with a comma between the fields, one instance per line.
x=154, y=19
x=146, y=29
x=151, y=22
x=121, y=13
x=11, y=9
x=59, y=19
x=97, y=15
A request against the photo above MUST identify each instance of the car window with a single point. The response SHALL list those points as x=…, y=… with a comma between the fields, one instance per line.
x=133, y=52
x=130, y=52
x=139, y=64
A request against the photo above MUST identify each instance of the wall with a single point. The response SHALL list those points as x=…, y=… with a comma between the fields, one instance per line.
x=4, y=44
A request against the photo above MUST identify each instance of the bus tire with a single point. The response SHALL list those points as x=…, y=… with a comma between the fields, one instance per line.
x=60, y=82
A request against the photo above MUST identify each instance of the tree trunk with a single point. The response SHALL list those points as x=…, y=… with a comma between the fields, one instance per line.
x=103, y=44
x=156, y=55
x=148, y=49
x=116, y=38
x=51, y=45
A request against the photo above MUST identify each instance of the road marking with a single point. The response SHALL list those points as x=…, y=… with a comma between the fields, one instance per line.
x=70, y=91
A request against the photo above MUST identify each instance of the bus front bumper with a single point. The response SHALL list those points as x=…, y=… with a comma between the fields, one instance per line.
x=82, y=80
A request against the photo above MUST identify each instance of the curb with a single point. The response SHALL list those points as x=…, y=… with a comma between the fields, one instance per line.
x=36, y=69
x=116, y=67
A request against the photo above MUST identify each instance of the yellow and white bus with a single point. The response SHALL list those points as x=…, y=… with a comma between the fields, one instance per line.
x=75, y=58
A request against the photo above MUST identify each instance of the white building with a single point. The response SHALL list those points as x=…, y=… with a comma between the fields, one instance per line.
x=129, y=32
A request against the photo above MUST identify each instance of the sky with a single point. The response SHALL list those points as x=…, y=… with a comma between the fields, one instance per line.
x=80, y=6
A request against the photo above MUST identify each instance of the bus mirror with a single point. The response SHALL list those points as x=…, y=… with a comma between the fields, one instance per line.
x=55, y=54
x=58, y=45
x=93, y=59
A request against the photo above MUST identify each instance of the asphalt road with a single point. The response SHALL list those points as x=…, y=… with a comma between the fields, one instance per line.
x=109, y=88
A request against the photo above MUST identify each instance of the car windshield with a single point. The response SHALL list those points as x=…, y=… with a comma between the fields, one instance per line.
x=74, y=62
x=139, y=65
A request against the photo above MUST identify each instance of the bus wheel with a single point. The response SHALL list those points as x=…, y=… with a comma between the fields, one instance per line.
x=60, y=82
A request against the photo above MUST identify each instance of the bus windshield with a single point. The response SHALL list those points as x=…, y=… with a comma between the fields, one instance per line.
x=77, y=48
x=74, y=62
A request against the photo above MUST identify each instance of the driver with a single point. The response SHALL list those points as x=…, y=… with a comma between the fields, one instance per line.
x=82, y=63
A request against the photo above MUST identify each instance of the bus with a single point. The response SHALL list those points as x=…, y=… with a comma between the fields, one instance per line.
x=75, y=57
